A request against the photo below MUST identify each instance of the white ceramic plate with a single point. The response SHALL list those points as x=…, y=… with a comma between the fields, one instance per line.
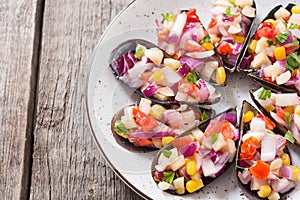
x=106, y=95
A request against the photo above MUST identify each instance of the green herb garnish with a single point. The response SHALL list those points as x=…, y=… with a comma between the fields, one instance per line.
x=292, y=26
x=228, y=13
x=203, y=116
x=205, y=154
x=168, y=177
x=214, y=137
x=289, y=137
x=292, y=61
x=288, y=119
x=121, y=129
x=168, y=16
x=192, y=77
x=239, y=167
x=282, y=37
x=166, y=153
x=205, y=39
x=270, y=42
x=233, y=3
x=264, y=94
x=295, y=43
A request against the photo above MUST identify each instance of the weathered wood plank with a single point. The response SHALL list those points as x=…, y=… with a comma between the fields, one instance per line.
x=66, y=161
x=19, y=39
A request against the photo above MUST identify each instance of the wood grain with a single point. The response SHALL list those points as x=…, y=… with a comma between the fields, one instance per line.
x=66, y=161
x=19, y=41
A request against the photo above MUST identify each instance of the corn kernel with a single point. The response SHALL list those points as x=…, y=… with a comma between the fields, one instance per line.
x=296, y=9
x=279, y=53
x=272, y=21
x=270, y=108
x=158, y=76
x=290, y=109
x=167, y=140
x=220, y=75
x=248, y=116
x=156, y=111
x=239, y=39
x=252, y=46
x=191, y=167
x=207, y=46
x=193, y=185
x=296, y=172
x=180, y=190
x=264, y=191
x=285, y=159
x=216, y=40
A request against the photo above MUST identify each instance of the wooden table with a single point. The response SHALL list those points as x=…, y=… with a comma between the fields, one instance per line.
x=46, y=147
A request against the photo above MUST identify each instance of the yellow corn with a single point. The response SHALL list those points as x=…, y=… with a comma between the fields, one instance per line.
x=193, y=185
x=272, y=21
x=207, y=46
x=285, y=159
x=296, y=9
x=180, y=191
x=220, y=75
x=191, y=167
x=216, y=40
x=264, y=191
x=270, y=108
x=156, y=111
x=239, y=39
x=290, y=109
x=252, y=46
x=279, y=53
x=296, y=172
x=167, y=140
x=248, y=116
x=158, y=76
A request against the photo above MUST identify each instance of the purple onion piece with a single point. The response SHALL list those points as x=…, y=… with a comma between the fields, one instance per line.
x=150, y=90
x=231, y=117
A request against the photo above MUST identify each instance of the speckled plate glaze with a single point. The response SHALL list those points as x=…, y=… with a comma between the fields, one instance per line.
x=106, y=95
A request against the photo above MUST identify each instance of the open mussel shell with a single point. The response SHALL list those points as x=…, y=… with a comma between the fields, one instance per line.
x=125, y=143
x=255, y=75
x=240, y=58
x=244, y=127
x=282, y=129
x=231, y=115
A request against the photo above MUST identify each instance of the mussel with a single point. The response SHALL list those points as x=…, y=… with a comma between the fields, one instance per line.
x=164, y=80
x=282, y=109
x=230, y=29
x=148, y=126
x=263, y=164
x=198, y=156
x=273, y=52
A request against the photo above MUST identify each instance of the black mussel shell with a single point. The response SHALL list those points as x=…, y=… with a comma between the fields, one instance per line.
x=244, y=127
x=125, y=143
x=202, y=126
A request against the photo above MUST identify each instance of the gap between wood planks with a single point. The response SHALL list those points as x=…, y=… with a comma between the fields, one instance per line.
x=35, y=62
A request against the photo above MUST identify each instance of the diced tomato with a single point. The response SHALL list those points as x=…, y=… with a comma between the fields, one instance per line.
x=187, y=88
x=226, y=130
x=261, y=170
x=269, y=124
x=143, y=143
x=280, y=113
x=146, y=122
x=248, y=148
x=178, y=54
x=224, y=48
x=214, y=126
x=269, y=79
x=292, y=49
x=191, y=16
x=182, y=141
x=267, y=24
x=267, y=33
x=213, y=23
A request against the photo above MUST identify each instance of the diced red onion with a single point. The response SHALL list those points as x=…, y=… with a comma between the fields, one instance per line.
x=231, y=117
x=227, y=19
x=287, y=172
x=282, y=185
x=184, y=172
x=245, y=62
x=150, y=135
x=293, y=80
x=245, y=163
x=183, y=70
x=244, y=176
x=282, y=65
x=193, y=63
x=189, y=149
x=236, y=133
x=280, y=141
x=150, y=90
x=289, y=40
x=203, y=93
x=172, y=117
x=295, y=132
x=232, y=58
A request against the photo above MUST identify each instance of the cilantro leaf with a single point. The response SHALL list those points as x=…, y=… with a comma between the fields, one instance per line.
x=228, y=13
x=121, y=129
x=289, y=137
x=192, y=77
x=270, y=42
x=205, y=153
x=288, y=119
x=292, y=26
x=233, y=3
x=293, y=61
x=282, y=37
x=168, y=177
x=166, y=153
x=264, y=94
x=295, y=43
x=205, y=39
x=214, y=137
x=168, y=16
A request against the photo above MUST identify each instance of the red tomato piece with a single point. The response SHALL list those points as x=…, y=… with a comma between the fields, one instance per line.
x=146, y=122
x=248, y=148
x=269, y=124
x=214, y=126
x=143, y=143
x=292, y=49
x=226, y=130
x=213, y=23
x=224, y=48
x=182, y=141
x=261, y=170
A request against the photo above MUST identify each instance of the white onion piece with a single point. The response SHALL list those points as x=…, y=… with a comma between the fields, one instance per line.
x=180, y=96
x=201, y=55
x=170, y=77
x=177, y=28
x=244, y=176
x=218, y=10
x=268, y=147
x=296, y=33
x=281, y=13
x=282, y=185
x=208, y=167
x=278, y=119
x=283, y=78
x=288, y=99
x=295, y=19
x=257, y=124
x=248, y=11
